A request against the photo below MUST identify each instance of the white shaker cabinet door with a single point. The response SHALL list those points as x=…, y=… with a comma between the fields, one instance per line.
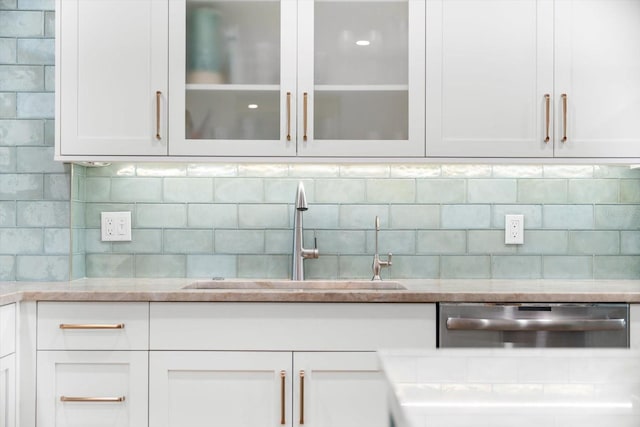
x=339, y=389
x=8, y=391
x=489, y=69
x=111, y=62
x=361, y=78
x=598, y=69
x=232, y=78
x=92, y=388
x=239, y=389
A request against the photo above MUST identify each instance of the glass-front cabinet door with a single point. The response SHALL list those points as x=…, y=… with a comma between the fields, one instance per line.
x=361, y=78
x=232, y=76
x=278, y=78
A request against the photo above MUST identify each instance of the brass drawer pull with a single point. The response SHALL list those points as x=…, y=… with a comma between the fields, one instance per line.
x=547, y=102
x=283, y=376
x=91, y=326
x=305, y=101
x=158, y=99
x=301, y=397
x=564, y=117
x=92, y=399
x=288, y=116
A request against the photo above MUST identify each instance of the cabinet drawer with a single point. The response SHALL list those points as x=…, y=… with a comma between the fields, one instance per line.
x=93, y=326
x=291, y=326
x=7, y=329
x=92, y=388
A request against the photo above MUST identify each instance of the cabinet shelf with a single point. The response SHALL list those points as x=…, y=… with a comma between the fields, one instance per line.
x=232, y=87
x=361, y=88
x=276, y=88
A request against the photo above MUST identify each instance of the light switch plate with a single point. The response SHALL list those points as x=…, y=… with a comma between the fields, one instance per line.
x=115, y=226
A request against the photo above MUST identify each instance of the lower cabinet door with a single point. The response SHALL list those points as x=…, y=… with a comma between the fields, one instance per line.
x=339, y=389
x=8, y=391
x=92, y=388
x=219, y=388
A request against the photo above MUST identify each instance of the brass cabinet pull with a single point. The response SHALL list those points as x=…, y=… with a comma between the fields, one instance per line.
x=288, y=116
x=158, y=98
x=92, y=399
x=564, y=117
x=301, y=397
x=91, y=326
x=283, y=376
x=547, y=103
x=304, y=114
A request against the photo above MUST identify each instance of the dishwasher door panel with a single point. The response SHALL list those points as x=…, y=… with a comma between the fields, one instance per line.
x=471, y=325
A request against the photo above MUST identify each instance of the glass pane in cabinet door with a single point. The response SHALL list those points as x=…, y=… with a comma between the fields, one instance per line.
x=228, y=114
x=232, y=69
x=361, y=69
x=361, y=115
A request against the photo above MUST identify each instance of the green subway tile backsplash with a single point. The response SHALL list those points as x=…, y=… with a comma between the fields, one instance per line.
x=492, y=191
x=516, y=267
x=441, y=242
x=440, y=221
x=35, y=191
x=160, y=265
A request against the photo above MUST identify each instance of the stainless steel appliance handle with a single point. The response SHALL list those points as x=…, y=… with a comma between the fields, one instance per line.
x=574, y=325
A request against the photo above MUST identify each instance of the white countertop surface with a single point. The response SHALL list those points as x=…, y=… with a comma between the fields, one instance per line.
x=519, y=387
x=132, y=289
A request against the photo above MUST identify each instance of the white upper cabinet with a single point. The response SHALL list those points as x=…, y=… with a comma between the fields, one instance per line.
x=361, y=78
x=278, y=78
x=533, y=78
x=489, y=70
x=598, y=69
x=232, y=78
x=111, y=58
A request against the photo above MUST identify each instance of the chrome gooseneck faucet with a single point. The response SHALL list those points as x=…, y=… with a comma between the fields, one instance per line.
x=378, y=264
x=299, y=252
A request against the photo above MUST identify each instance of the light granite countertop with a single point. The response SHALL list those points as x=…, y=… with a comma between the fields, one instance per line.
x=476, y=290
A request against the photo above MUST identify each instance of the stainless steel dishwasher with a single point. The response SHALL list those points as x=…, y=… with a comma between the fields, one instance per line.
x=533, y=325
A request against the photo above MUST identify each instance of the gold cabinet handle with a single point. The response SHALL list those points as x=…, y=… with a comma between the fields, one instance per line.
x=301, y=397
x=547, y=103
x=91, y=326
x=283, y=376
x=564, y=117
x=158, y=99
x=288, y=116
x=305, y=97
x=92, y=399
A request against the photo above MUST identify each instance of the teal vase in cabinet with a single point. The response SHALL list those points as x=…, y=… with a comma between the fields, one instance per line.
x=205, y=47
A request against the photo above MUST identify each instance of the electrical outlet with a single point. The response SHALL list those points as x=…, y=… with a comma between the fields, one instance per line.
x=514, y=229
x=115, y=226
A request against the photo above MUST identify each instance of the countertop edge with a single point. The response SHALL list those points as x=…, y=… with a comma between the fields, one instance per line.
x=317, y=296
x=418, y=291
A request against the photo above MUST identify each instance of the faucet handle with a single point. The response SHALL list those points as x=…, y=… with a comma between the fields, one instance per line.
x=389, y=263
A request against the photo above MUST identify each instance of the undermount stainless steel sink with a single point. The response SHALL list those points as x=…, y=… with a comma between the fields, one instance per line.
x=298, y=285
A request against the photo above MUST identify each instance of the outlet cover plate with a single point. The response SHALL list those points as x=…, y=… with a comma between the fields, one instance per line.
x=115, y=226
x=514, y=229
